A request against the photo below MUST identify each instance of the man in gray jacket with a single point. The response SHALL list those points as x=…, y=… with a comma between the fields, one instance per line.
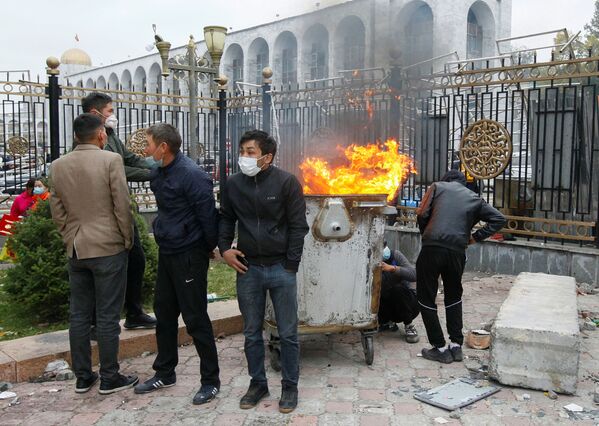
x=446, y=216
x=136, y=170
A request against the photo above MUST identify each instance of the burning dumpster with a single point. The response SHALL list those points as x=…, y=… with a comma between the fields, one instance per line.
x=339, y=280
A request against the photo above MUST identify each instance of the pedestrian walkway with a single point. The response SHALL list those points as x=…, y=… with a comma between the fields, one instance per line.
x=336, y=386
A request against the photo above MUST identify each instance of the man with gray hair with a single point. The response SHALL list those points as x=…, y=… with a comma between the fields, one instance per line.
x=186, y=231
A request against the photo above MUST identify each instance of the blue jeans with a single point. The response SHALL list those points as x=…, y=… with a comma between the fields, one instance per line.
x=251, y=296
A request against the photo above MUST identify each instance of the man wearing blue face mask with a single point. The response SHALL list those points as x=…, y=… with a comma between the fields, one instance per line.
x=186, y=230
x=398, y=301
x=136, y=170
x=268, y=206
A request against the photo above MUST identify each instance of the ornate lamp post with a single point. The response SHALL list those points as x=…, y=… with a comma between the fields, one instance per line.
x=194, y=69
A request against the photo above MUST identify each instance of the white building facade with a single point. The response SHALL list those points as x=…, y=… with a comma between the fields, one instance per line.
x=319, y=44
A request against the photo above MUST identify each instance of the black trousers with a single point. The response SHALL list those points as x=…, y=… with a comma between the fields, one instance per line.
x=181, y=287
x=434, y=262
x=398, y=301
x=135, y=277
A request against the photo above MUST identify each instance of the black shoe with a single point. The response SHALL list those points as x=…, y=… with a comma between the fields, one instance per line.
x=92, y=334
x=140, y=321
x=434, y=354
x=288, y=400
x=153, y=384
x=388, y=326
x=84, y=385
x=206, y=394
x=456, y=353
x=253, y=396
x=119, y=384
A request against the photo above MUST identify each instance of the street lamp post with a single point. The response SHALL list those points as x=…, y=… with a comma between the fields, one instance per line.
x=196, y=68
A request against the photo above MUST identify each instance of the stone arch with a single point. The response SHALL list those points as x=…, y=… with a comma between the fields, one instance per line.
x=113, y=82
x=155, y=79
x=258, y=55
x=233, y=64
x=415, y=33
x=126, y=80
x=139, y=80
x=480, y=39
x=349, y=43
x=315, y=53
x=79, y=83
x=89, y=83
x=285, y=58
x=101, y=83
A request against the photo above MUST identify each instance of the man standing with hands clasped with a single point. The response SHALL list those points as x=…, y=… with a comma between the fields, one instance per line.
x=268, y=206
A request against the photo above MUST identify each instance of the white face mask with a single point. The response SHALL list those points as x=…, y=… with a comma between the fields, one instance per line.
x=111, y=122
x=249, y=165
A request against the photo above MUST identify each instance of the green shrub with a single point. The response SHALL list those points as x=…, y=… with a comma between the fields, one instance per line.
x=39, y=282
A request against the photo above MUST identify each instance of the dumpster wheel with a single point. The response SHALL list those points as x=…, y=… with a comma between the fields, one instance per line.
x=274, y=347
x=368, y=346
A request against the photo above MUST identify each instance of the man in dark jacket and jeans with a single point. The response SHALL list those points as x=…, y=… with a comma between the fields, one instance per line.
x=268, y=206
x=186, y=231
x=446, y=216
x=136, y=170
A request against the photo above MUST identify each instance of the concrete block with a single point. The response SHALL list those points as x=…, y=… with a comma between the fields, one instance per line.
x=505, y=260
x=521, y=259
x=538, y=261
x=584, y=268
x=488, y=261
x=558, y=263
x=473, y=256
x=532, y=346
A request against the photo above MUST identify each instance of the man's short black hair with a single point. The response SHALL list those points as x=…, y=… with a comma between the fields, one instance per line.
x=85, y=127
x=95, y=100
x=164, y=132
x=267, y=144
x=454, y=176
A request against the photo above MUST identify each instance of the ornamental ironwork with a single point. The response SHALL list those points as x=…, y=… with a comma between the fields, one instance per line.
x=486, y=149
x=17, y=146
x=137, y=142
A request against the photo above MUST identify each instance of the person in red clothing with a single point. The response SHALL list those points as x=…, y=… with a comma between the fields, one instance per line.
x=24, y=201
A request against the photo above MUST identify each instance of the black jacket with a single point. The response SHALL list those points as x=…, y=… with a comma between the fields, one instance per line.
x=187, y=216
x=449, y=211
x=271, y=215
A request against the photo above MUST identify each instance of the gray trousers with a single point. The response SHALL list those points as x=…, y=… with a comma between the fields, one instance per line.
x=99, y=282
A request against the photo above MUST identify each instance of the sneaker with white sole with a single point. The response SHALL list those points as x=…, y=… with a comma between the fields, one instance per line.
x=411, y=334
x=154, y=384
x=120, y=383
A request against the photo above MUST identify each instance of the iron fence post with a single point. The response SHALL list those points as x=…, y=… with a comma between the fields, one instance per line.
x=222, y=137
x=395, y=86
x=266, y=99
x=53, y=92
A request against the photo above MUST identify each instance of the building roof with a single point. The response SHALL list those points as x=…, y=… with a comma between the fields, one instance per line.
x=75, y=57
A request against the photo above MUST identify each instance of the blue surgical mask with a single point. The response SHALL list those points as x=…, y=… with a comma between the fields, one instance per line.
x=153, y=163
x=386, y=253
x=38, y=191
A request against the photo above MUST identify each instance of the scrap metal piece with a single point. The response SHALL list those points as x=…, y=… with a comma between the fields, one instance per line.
x=457, y=394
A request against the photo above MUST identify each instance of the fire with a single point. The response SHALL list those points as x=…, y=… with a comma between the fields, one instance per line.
x=372, y=169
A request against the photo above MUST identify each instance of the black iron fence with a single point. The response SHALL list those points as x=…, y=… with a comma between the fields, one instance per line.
x=526, y=133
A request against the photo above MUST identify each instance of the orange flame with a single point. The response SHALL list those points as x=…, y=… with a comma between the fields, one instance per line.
x=371, y=169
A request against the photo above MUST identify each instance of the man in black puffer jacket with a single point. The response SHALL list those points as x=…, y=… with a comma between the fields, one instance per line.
x=446, y=217
x=268, y=206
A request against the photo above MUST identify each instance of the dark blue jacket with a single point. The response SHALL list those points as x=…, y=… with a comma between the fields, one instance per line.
x=187, y=215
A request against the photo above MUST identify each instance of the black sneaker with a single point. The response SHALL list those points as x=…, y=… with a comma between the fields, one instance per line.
x=139, y=322
x=153, y=384
x=119, y=384
x=253, y=396
x=388, y=326
x=84, y=385
x=411, y=334
x=206, y=394
x=434, y=354
x=288, y=400
x=456, y=353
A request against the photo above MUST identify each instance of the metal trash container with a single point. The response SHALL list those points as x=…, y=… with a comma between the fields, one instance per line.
x=339, y=280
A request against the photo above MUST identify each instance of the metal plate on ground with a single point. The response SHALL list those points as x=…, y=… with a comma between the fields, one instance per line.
x=457, y=393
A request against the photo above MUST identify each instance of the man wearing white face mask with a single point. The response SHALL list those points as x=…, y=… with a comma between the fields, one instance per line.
x=268, y=206
x=137, y=169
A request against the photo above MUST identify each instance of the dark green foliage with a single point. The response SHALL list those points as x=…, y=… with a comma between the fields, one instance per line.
x=39, y=281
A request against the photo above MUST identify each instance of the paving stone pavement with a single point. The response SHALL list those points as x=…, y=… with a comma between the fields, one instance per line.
x=337, y=387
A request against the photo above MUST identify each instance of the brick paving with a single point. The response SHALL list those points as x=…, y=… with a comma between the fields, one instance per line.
x=337, y=388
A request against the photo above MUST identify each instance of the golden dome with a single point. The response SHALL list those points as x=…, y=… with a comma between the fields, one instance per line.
x=76, y=57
